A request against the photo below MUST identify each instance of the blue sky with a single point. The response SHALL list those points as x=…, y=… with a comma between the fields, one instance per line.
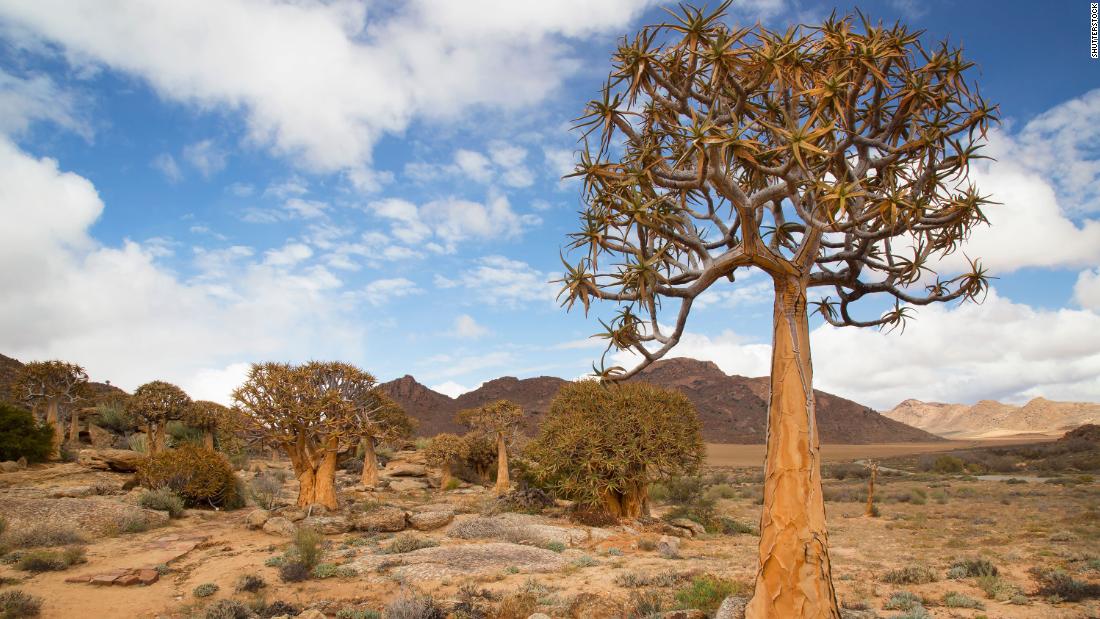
x=193, y=187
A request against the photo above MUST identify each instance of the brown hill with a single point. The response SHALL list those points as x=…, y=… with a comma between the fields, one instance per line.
x=732, y=409
x=991, y=419
x=9, y=371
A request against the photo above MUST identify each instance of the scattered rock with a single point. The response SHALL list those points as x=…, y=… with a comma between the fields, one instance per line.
x=10, y=466
x=121, y=460
x=312, y=613
x=148, y=577
x=691, y=525
x=732, y=608
x=381, y=520
x=665, y=528
x=280, y=526
x=668, y=546
x=327, y=525
x=405, y=484
x=316, y=509
x=405, y=469
x=101, y=439
x=428, y=521
x=74, y=492
x=257, y=518
x=293, y=514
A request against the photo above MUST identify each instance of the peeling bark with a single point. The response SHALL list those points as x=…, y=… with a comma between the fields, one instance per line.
x=74, y=428
x=630, y=503
x=370, y=464
x=870, y=513
x=52, y=421
x=503, y=481
x=316, y=474
x=794, y=578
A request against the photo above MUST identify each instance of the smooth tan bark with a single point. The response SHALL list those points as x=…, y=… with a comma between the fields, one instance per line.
x=633, y=502
x=325, y=489
x=794, y=578
x=871, y=491
x=445, y=476
x=503, y=481
x=160, y=439
x=74, y=427
x=316, y=474
x=52, y=421
x=370, y=464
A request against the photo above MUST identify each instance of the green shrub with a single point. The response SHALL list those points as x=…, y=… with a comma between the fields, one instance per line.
x=720, y=491
x=706, y=593
x=200, y=476
x=352, y=613
x=14, y=604
x=294, y=571
x=138, y=442
x=228, y=609
x=948, y=465
x=952, y=599
x=180, y=433
x=407, y=542
x=996, y=588
x=114, y=416
x=967, y=568
x=23, y=437
x=645, y=604
x=45, y=534
x=164, y=500
x=1054, y=583
x=205, y=590
x=414, y=605
x=329, y=570
x=902, y=600
x=307, y=543
x=265, y=489
x=250, y=583
x=554, y=546
x=50, y=561
x=910, y=575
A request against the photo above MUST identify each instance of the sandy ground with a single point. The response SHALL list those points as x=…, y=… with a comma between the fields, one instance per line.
x=1017, y=526
x=721, y=454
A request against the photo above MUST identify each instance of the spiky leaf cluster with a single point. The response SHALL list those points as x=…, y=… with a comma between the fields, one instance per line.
x=835, y=155
x=61, y=382
x=600, y=438
x=492, y=419
x=444, y=450
x=206, y=415
x=158, y=402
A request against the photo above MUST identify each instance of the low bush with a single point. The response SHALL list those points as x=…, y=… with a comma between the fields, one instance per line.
x=14, y=604
x=228, y=609
x=910, y=575
x=968, y=568
x=23, y=437
x=113, y=416
x=472, y=603
x=952, y=599
x=200, y=476
x=162, y=499
x=294, y=571
x=45, y=534
x=278, y=608
x=330, y=570
x=250, y=583
x=707, y=592
x=645, y=604
x=308, y=544
x=414, y=605
x=352, y=613
x=265, y=489
x=51, y=561
x=902, y=600
x=205, y=590
x=1054, y=583
x=408, y=542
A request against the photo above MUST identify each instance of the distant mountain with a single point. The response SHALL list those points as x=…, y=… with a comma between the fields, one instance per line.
x=992, y=419
x=732, y=409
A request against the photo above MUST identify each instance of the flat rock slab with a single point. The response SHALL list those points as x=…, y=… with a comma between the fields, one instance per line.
x=464, y=560
x=91, y=515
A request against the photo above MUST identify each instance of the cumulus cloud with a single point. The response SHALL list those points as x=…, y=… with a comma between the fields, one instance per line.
x=502, y=163
x=205, y=157
x=382, y=291
x=465, y=326
x=324, y=81
x=440, y=225
x=500, y=281
x=1086, y=292
x=24, y=100
x=451, y=388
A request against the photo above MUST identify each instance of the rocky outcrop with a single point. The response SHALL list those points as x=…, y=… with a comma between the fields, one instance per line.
x=118, y=460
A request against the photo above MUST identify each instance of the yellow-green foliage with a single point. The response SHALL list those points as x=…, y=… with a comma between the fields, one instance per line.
x=597, y=438
x=444, y=450
x=198, y=475
x=158, y=402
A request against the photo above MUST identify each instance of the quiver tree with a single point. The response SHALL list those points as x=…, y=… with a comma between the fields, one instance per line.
x=156, y=403
x=380, y=421
x=828, y=157
x=603, y=444
x=206, y=416
x=443, y=452
x=58, y=386
x=497, y=421
x=312, y=412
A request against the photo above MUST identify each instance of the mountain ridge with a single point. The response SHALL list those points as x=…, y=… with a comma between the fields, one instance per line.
x=993, y=419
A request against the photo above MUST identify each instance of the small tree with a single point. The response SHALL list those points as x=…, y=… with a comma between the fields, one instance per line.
x=206, y=416
x=831, y=156
x=442, y=452
x=498, y=421
x=382, y=420
x=22, y=436
x=602, y=445
x=57, y=385
x=312, y=411
x=156, y=403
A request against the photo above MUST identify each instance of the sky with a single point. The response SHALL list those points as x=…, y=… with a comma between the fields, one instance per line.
x=188, y=188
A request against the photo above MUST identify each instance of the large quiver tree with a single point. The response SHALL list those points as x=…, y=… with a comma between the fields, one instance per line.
x=498, y=421
x=832, y=156
x=156, y=403
x=207, y=416
x=312, y=412
x=59, y=387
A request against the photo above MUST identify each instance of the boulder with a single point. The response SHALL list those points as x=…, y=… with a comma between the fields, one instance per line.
x=405, y=484
x=462, y=561
x=10, y=466
x=101, y=439
x=121, y=460
x=280, y=526
x=405, y=469
x=691, y=525
x=428, y=521
x=327, y=525
x=665, y=528
x=257, y=518
x=316, y=509
x=668, y=546
x=293, y=514
x=380, y=520
x=732, y=608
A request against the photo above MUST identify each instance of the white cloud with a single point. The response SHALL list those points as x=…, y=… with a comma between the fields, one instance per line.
x=728, y=350
x=466, y=327
x=496, y=280
x=206, y=157
x=1086, y=292
x=24, y=100
x=241, y=190
x=473, y=165
x=451, y=388
x=442, y=224
x=288, y=255
x=115, y=308
x=449, y=366
x=382, y=291
x=323, y=81
x=166, y=165
x=503, y=163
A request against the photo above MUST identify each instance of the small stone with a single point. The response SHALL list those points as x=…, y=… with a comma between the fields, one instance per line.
x=293, y=514
x=327, y=525
x=121, y=460
x=427, y=521
x=668, y=546
x=732, y=608
x=691, y=525
x=127, y=580
x=691, y=613
x=74, y=492
x=9, y=466
x=405, y=484
x=280, y=526
x=257, y=518
x=405, y=469
x=381, y=520
x=106, y=579
x=148, y=576
x=316, y=509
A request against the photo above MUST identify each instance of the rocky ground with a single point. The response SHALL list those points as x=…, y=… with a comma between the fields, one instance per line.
x=478, y=559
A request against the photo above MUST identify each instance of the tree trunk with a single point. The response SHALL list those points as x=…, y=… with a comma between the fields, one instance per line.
x=445, y=476
x=871, y=490
x=370, y=463
x=325, y=490
x=502, y=466
x=208, y=438
x=794, y=578
x=316, y=477
x=160, y=440
x=74, y=427
x=52, y=421
x=630, y=503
